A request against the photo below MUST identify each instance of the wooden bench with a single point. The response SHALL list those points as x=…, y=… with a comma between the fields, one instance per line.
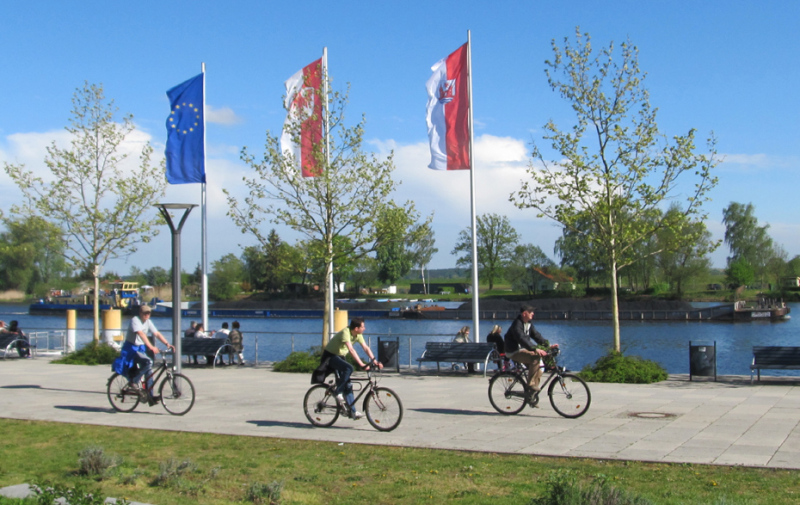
x=9, y=342
x=454, y=352
x=206, y=347
x=774, y=358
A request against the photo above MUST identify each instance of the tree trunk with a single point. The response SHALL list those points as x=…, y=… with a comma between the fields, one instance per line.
x=326, y=329
x=96, y=304
x=615, y=302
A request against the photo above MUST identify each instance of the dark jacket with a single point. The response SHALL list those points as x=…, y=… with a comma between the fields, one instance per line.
x=516, y=338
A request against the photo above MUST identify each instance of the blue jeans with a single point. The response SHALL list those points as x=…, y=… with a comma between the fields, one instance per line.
x=343, y=371
x=145, y=365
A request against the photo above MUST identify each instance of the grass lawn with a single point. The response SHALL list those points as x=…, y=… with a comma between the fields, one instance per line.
x=165, y=468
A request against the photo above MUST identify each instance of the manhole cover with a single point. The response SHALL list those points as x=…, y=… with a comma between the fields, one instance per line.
x=651, y=415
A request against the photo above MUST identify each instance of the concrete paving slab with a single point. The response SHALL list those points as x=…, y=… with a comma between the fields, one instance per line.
x=727, y=422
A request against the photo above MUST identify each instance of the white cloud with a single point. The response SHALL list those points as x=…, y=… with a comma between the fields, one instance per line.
x=757, y=161
x=223, y=115
x=500, y=165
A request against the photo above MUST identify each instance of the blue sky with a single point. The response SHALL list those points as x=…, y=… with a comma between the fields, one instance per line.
x=724, y=66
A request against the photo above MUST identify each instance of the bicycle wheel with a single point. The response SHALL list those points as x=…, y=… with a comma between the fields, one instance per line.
x=507, y=393
x=118, y=395
x=320, y=406
x=177, y=394
x=383, y=409
x=569, y=395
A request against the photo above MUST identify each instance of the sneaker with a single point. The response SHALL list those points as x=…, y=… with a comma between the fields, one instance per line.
x=153, y=400
x=340, y=399
x=357, y=415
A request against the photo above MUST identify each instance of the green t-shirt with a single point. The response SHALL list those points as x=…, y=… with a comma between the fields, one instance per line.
x=337, y=345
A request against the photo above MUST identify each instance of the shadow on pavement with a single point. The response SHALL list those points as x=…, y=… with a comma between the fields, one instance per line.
x=267, y=424
x=36, y=386
x=83, y=408
x=455, y=412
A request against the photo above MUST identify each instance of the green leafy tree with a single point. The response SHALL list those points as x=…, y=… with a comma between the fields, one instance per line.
x=31, y=254
x=740, y=272
x=777, y=266
x=157, y=276
x=522, y=269
x=226, y=274
x=577, y=251
x=686, y=261
x=496, y=242
x=102, y=206
x=393, y=250
x=365, y=274
x=255, y=267
x=269, y=267
x=615, y=168
x=793, y=267
x=746, y=238
x=345, y=200
x=422, y=250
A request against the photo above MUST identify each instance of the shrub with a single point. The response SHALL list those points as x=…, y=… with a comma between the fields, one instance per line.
x=94, y=462
x=93, y=353
x=564, y=489
x=47, y=494
x=264, y=494
x=300, y=361
x=614, y=367
x=171, y=472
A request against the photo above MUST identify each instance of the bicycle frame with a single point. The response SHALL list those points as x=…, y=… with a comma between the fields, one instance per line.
x=157, y=370
x=373, y=382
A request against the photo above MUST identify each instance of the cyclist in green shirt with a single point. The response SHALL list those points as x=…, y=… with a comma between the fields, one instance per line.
x=336, y=351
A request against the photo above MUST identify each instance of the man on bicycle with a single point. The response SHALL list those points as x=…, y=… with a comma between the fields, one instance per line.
x=336, y=351
x=136, y=347
x=520, y=346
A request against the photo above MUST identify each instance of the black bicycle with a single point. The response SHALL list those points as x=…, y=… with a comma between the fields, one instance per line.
x=509, y=392
x=382, y=406
x=176, y=390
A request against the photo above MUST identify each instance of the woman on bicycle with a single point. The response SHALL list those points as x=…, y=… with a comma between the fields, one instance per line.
x=336, y=351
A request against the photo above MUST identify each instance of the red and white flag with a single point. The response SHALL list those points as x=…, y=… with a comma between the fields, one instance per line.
x=302, y=130
x=448, y=112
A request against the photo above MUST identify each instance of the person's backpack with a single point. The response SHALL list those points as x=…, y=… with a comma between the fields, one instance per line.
x=323, y=370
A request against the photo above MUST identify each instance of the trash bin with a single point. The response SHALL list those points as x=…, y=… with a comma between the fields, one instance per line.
x=388, y=353
x=703, y=360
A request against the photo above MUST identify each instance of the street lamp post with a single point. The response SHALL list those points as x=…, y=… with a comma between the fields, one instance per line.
x=165, y=208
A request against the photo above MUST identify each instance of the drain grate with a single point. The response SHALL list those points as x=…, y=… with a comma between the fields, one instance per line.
x=651, y=415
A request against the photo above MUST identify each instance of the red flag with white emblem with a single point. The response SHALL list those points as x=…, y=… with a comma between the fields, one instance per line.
x=302, y=130
x=448, y=112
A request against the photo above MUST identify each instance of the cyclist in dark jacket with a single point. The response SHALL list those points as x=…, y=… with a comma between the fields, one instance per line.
x=521, y=342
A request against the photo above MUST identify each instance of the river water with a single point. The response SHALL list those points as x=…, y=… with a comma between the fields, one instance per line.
x=582, y=342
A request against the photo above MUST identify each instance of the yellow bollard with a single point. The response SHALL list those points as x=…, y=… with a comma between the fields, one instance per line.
x=72, y=320
x=112, y=327
x=339, y=320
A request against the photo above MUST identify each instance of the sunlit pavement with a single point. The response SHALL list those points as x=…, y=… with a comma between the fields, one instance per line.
x=729, y=422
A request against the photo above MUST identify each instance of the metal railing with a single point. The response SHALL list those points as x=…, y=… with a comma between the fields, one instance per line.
x=52, y=340
x=261, y=346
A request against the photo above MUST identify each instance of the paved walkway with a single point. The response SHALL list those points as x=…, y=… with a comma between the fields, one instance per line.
x=728, y=423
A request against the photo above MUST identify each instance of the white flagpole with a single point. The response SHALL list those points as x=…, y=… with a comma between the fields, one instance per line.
x=327, y=165
x=475, y=286
x=203, y=234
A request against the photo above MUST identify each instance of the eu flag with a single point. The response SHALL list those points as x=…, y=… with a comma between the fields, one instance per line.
x=185, y=150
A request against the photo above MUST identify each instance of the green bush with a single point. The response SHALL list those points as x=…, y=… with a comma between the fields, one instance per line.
x=47, y=494
x=264, y=494
x=614, y=367
x=300, y=361
x=93, y=353
x=94, y=462
x=563, y=488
